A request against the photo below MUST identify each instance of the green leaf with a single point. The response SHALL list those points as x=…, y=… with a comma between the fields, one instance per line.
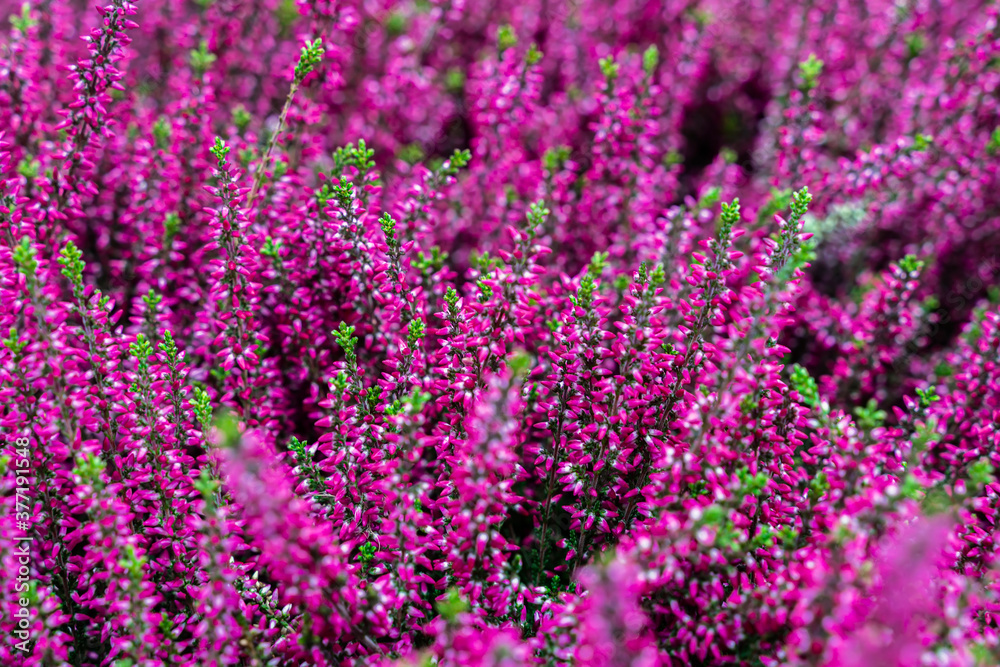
x=220, y=150
x=452, y=605
x=71, y=259
x=809, y=71
x=650, y=59
x=311, y=55
x=24, y=257
x=415, y=331
x=981, y=472
x=505, y=37
x=609, y=68
x=201, y=59
x=533, y=56
x=24, y=22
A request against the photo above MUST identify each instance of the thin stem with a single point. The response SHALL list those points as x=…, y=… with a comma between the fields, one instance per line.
x=258, y=180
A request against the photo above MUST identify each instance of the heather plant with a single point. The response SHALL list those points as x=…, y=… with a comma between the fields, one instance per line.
x=419, y=332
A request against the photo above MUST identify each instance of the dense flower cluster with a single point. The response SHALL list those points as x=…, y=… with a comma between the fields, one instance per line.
x=562, y=332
